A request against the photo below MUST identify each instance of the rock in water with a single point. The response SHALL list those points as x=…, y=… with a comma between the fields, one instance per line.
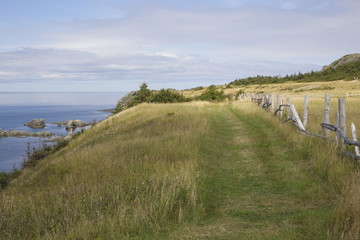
x=16, y=133
x=76, y=123
x=36, y=123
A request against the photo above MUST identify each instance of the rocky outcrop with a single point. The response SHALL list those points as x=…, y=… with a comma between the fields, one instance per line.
x=342, y=61
x=36, y=123
x=122, y=103
x=16, y=133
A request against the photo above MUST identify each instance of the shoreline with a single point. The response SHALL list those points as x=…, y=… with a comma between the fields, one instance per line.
x=13, y=148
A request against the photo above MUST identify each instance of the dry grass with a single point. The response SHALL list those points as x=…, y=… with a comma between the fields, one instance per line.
x=143, y=171
x=341, y=173
x=132, y=174
x=292, y=88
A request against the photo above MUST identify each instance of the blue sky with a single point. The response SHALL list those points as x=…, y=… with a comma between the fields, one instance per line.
x=115, y=45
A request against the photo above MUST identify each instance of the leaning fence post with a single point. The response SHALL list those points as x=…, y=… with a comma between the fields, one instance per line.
x=296, y=117
x=306, y=109
x=342, y=117
x=326, y=114
x=288, y=110
x=353, y=132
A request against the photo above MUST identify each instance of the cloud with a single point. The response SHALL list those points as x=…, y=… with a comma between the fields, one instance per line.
x=179, y=44
x=160, y=70
x=246, y=32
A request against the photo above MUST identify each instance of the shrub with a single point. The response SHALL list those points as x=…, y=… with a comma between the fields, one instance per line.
x=141, y=96
x=5, y=178
x=212, y=94
x=167, y=96
x=238, y=93
x=146, y=95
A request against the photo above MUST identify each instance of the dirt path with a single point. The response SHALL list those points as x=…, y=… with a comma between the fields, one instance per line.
x=260, y=188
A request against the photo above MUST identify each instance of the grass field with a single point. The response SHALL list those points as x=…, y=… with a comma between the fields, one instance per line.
x=186, y=171
x=316, y=91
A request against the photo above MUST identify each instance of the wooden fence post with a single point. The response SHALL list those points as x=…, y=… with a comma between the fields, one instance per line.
x=272, y=102
x=342, y=117
x=337, y=124
x=278, y=103
x=326, y=119
x=296, y=117
x=281, y=112
x=288, y=110
x=306, y=109
x=353, y=132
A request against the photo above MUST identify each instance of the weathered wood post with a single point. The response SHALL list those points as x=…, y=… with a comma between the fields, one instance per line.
x=342, y=117
x=281, y=112
x=278, y=101
x=306, y=110
x=326, y=118
x=272, y=103
x=288, y=110
x=337, y=124
x=296, y=117
x=354, y=137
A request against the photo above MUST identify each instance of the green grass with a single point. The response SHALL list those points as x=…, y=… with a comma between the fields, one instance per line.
x=131, y=176
x=183, y=171
x=261, y=187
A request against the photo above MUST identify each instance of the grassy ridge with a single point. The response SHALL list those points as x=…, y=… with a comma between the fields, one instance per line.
x=265, y=185
x=133, y=174
x=186, y=171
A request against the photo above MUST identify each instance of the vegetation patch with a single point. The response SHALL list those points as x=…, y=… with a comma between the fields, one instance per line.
x=349, y=71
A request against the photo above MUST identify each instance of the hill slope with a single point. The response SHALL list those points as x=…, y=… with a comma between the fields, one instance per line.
x=343, y=61
x=179, y=171
x=345, y=68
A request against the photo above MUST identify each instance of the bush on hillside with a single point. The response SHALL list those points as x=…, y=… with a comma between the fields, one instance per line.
x=146, y=95
x=167, y=96
x=143, y=95
x=238, y=93
x=212, y=94
x=5, y=177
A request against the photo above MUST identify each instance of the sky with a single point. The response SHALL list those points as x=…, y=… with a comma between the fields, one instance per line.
x=115, y=45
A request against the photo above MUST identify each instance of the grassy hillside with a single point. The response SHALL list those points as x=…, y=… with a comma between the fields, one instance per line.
x=186, y=171
x=339, y=77
x=135, y=173
x=348, y=71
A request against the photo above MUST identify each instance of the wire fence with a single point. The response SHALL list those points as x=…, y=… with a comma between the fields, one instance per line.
x=287, y=112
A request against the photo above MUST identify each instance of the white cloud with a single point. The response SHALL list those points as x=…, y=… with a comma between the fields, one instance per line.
x=185, y=46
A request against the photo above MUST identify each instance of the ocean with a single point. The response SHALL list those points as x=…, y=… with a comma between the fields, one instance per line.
x=19, y=108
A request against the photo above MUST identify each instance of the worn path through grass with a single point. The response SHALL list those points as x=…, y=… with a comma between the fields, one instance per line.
x=258, y=186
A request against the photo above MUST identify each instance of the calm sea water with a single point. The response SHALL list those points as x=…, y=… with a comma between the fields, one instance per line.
x=19, y=108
